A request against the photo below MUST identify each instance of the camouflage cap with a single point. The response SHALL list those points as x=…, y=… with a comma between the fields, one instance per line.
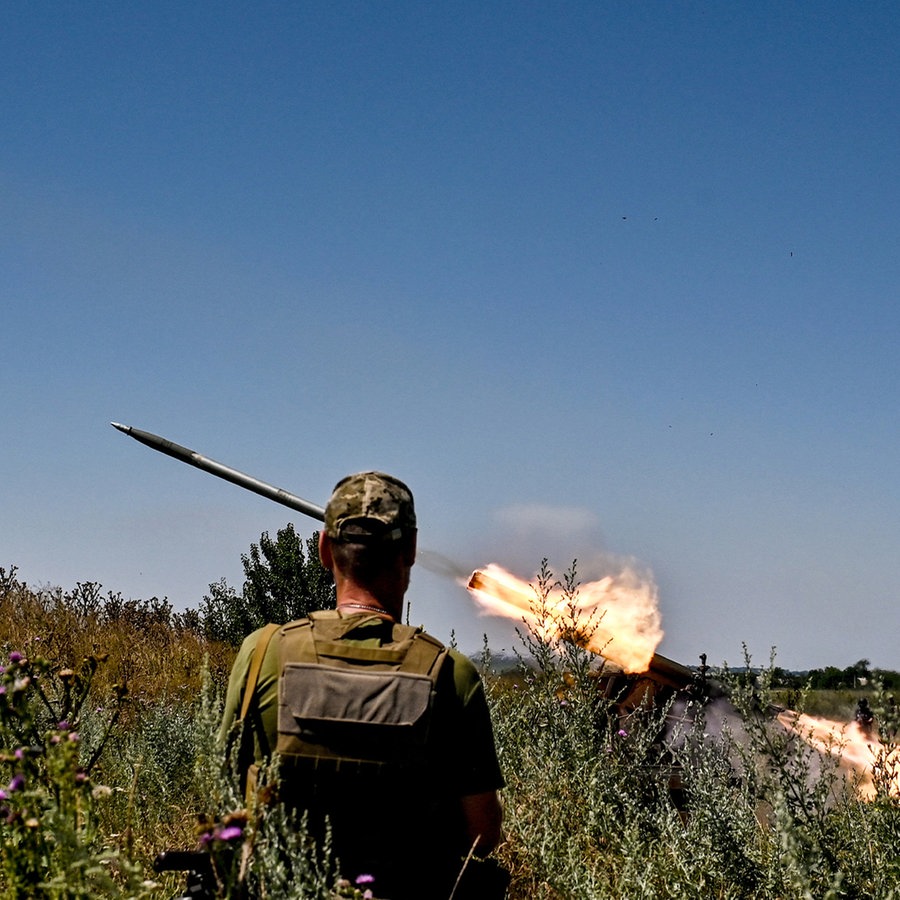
x=370, y=506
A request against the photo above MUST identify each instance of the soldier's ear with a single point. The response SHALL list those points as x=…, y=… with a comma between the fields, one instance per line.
x=325, y=556
x=409, y=551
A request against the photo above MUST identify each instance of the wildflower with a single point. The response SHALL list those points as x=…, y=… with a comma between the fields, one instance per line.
x=622, y=733
x=17, y=783
x=367, y=895
x=20, y=753
x=101, y=790
x=74, y=737
x=230, y=833
x=32, y=823
x=2, y=670
x=63, y=726
x=3, y=794
x=365, y=879
x=15, y=657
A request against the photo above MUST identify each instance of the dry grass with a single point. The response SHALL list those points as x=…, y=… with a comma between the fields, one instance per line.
x=151, y=650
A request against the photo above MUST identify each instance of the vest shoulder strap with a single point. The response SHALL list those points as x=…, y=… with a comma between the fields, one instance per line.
x=255, y=665
x=425, y=655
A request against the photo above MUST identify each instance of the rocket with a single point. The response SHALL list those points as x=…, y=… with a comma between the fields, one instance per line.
x=192, y=458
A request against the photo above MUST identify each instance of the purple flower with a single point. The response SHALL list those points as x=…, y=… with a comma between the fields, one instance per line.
x=17, y=783
x=230, y=833
x=20, y=753
x=63, y=726
x=15, y=657
x=622, y=732
x=3, y=794
x=365, y=879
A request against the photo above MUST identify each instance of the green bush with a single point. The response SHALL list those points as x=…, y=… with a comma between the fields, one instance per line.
x=283, y=581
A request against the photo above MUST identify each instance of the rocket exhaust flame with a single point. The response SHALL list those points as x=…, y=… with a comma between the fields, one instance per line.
x=857, y=751
x=616, y=617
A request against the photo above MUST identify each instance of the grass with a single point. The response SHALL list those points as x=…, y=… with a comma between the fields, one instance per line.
x=108, y=718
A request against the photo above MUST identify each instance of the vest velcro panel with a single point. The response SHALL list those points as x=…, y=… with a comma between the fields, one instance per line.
x=374, y=716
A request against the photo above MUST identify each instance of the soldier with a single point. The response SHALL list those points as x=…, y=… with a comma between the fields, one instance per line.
x=864, y=716
x=377, y=726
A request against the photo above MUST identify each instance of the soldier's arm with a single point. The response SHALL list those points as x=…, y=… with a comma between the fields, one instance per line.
x=483, y=819
x=475, y=757
x=235, y=694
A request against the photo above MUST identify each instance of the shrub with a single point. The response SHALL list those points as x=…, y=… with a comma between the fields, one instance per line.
x=283, y=581
x=590, y=809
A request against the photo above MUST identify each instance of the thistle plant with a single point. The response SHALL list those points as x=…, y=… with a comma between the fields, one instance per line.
x=50, y=845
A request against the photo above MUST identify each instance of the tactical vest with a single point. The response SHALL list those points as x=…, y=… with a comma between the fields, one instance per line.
x=346, y=705
x=354, y=751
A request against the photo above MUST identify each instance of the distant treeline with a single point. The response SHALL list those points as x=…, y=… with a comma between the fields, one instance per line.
x=831, y=678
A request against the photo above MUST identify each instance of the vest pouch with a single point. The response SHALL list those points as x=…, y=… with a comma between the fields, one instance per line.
x=352, y=715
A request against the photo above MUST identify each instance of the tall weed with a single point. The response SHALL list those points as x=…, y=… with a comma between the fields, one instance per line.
x=661, y=805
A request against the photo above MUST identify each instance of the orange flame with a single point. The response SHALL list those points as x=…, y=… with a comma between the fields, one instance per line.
x=616, y=617
x=858, y=751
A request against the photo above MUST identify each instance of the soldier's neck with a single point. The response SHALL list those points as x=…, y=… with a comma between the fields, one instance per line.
x=356, y=597
x=351, y=607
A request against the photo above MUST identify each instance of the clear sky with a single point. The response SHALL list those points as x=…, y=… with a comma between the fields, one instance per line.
x=596, y=279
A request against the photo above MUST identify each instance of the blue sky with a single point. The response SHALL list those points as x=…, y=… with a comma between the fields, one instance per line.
x=597, y=279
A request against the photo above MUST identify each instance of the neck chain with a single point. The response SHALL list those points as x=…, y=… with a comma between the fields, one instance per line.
x=370, y=608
